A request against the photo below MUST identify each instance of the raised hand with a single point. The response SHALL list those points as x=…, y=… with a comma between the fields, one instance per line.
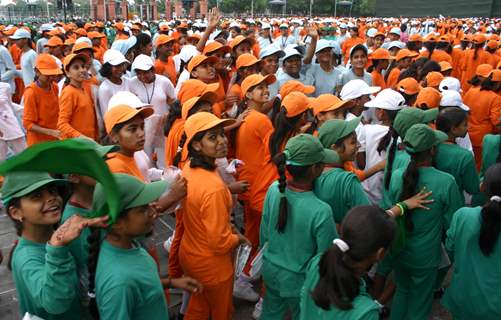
x=72, y=228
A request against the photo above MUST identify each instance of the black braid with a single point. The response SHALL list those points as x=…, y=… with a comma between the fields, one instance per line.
x=389, y=163
x=177, y=157
x=282, y=184
x=94, y=241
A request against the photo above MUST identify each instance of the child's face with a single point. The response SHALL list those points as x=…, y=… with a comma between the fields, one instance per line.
x=461, y=129
x=137, y=222
x=78, y=71
x=405, y=63
x=349, y=149
x=205, y=72
x=214, y=143
x=359, y=59
x=130, y=137
x=292, y=65
x=118, y=71
x=242, y=48
x=325, y=55
x=147, y=76
x=247, y=71
x=260, y=93
x=270, y=64
x=41, y=207
x=166, y=49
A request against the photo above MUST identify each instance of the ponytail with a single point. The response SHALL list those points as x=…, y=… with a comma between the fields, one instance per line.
x=174, y=114
x=410, y=181
x=389, y=162
x=179, y=153
x=476, y=47
x=491, y=212
x=284, y=127
x=18, y=225
x=94, y=241
x=282, y=184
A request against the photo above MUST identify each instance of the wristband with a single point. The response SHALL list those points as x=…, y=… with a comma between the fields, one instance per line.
x=402, y=210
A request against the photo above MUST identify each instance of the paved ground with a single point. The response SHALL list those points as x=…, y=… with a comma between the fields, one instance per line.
x=163, y=229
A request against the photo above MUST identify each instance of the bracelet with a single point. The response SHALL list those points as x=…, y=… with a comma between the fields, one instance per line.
x=404, y=205
x=402, y=210
x=390, y=213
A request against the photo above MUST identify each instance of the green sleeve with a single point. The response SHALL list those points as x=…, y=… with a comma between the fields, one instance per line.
x=325, y=232
x=451, y=236
x=116, y=303
x=52, y=283
x=357, y=194
x=471, y=182
x=265, y=219
x=453, y=202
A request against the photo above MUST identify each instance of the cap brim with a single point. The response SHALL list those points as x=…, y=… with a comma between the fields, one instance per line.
x=151, y=192
x=330, y=156
x=104, y=150
x=33, y=187
x=50, y=72
x=308, y=89
x=212, y=124
x=430, y=115
x=372, y=90
x=119, y=62
x=351, y=125
x=439, y=137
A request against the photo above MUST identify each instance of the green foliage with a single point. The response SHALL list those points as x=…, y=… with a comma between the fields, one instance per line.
x=367, y=7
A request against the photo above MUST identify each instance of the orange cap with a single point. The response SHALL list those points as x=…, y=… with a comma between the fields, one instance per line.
x=81, y=32
x=405, y=53
x=198, y=60
x=246, y=60
x=295, y=103
x=466, y=37
x=496, y=75
x=10, y=31
x=202, y=121
x=492, y=44
x=69, y=42
x=380, y=54
x=494, y=37
x=100, y=24
x=194, y=37
x=163, y=39
x=54, y=42
x=483, y=70
x=444, y=66
x=95, y=35
x=119, y=26
x=434, y=78
x=163, y=27
x=379, y=34
x=429, y=97
x=188, y=105
x=81, y=46
x=47, y=65
x=408, y=86
x=294, y=85
x=135, y=27
x=238, y=40
x=415, y=38
x=214, y=46
x=71, y=57
x=194, y=88
x=123, y=113
x=479, y=38
x=55, y=32
x=430, y=38
x=255, y=79
x=326, y=102
x=89, y=25
x=182, y=25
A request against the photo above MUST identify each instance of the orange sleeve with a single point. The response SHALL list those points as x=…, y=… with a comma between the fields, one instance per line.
x=30, y=114
x=393, y=78
x=349, y=166
x=219, y=236
x=175, y=269
x=66, y=103
x=495, y=111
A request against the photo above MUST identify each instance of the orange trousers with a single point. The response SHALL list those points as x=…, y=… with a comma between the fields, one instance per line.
x=215, y=302
x=252, y=223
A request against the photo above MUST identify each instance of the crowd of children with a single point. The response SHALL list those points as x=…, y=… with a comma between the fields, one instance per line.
x=364, y=160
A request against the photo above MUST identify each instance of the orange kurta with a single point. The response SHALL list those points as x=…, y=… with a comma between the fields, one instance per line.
x=120, y=163
x=167, y=69
x=77, y=115
x=457, y=56
x=41, y=107
x=99, y=53
x=378, y=80
x=469, y=65
x=172, y=141
x=392, y=79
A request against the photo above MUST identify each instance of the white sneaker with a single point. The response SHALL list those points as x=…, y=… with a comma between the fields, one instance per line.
x=256, y=314
x=168, y=242
x=243, y=290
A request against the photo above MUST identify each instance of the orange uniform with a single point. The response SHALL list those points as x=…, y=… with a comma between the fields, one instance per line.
x=392, y=79
x=120, y=163
x=457, y=56
x=167, y=69
x=437, y=56
x=485, y=110
x=41, y=107
x=206, y=251
x=378, y=79
x=172, y=141
x=469, y=65
x=77, y=115
x=99, y=53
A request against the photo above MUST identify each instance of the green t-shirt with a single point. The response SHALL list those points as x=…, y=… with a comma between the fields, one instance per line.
x=460, y=163
x=310, y=230
x=128, y=285
x=46, y=280
x=364, y=307
x=79, y=247
x=340, y=189
x=401, y=160
x=422, y=249
x=490, y=152
x=474, y=289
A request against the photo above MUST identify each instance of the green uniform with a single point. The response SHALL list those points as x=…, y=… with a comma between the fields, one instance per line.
x=460, y=163
x=364, y=306
x=46, y=280
x=128, y=285
x=490, y=153
x=79, y=247
x=474, y=289
x=416, y=265
x=342, y=190
x=401, y=160
x=310, y=230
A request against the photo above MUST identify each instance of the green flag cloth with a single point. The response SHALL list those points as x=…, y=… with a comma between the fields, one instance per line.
x=69, y=156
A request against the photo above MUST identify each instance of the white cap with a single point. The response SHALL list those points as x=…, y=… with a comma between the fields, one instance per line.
x=114, y=57
x=398, y=44
x=234, y=24
x=128, y=98
x=450, y=83
x=451, y=98
x=356, y=88
x=343, y=25
x=45, y=27
x=124, y=46
x=21, y=34
x=396, y=30
x=290, y=52
x=323, y=44
x=283, y=25
x=351, y=25
x=265, y=25
x=84, y=39
x=371, y=32
x=270, y=50
x=142, y=62
x=187, y=52
x=387, y=99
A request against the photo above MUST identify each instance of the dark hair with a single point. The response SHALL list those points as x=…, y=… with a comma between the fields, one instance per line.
x=94, y=240
x=18, y=225
x=284, y=127
x=105, y=70
x=430, y=46
x=413, y=46
x=408, y=73
x=409, y=98
x=391, y=134
x=442, y=45
x=476, y=47
x=428, y=67
x=365, y=229
x=488, y=84
x=475, y=81
x=449, y=118
x=375, y=63
x=174, y=114
x=357, y=48
x=390, y=157
x=410, y=181
x=491, y=211
x=197, y=160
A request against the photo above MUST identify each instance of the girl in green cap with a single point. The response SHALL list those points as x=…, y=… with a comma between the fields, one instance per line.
x=44, y=271
x=473, y=240
x=416, y=263
x=296, y=225
x=123, y=278
x=334, y=286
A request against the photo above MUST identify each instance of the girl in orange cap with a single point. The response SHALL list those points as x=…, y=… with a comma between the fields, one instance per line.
x=482, y=72
x=164, y=64
x=472, y=59
x=409, y=89
x=402, y=62
x=246, y=65
x=485, y=111
x=206, y=251
x=77, y=114
x=41, y=102
x=380, y=61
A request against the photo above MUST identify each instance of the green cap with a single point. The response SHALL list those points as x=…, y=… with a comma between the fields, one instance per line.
x=100, y=149
x=407, y=117
x=21, y=183
x=335, y=129
x=133, y=193
x=306, y=150
x=421, y=137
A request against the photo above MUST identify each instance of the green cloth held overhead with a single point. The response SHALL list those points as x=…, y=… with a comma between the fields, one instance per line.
x=69, y=156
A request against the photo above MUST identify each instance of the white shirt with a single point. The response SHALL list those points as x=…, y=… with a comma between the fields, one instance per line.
x=41, y=45
x=465, y=143
x=283, y=42
x=107, y=89
x=9, y=126
x=185, y=75
x=155, y=93
x=7, y=68
x=28, y=66
x=369, y=140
